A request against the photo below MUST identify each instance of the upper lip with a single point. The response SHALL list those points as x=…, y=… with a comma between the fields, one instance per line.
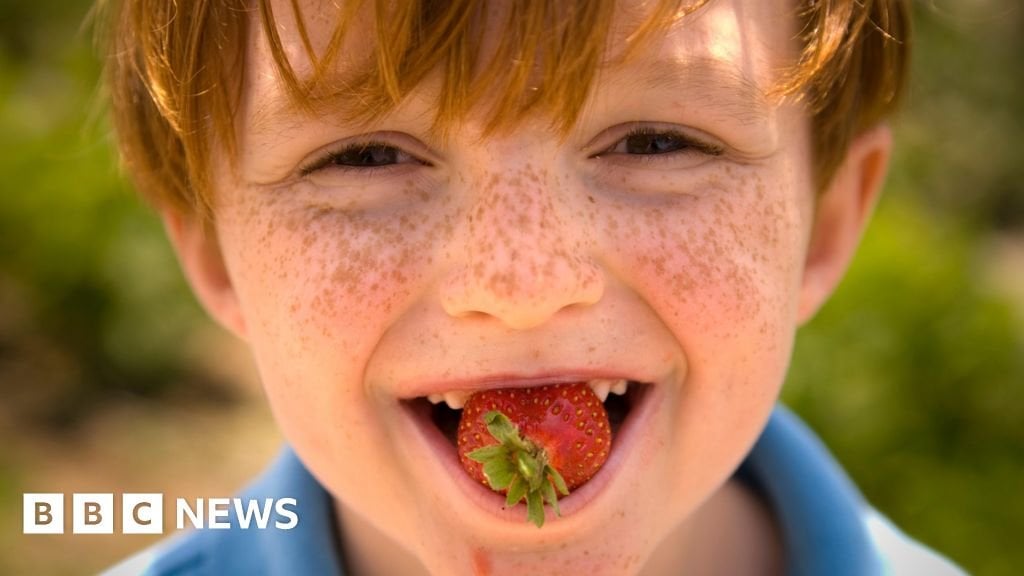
x=493, y=381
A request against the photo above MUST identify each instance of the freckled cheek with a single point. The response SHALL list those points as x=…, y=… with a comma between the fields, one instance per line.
x=349, y=278
x=726, y=279
x=318, y=294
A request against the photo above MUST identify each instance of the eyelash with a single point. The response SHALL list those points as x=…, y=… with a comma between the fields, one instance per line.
x=330, y=160
x=686, y=145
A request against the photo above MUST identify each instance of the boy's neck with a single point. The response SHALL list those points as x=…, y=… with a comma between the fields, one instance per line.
x=368, y=552
x=735, y=532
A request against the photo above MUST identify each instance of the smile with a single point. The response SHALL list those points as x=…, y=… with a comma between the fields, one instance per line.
x=436, y=416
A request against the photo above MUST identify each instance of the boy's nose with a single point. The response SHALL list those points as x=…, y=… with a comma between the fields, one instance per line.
x=523, y=258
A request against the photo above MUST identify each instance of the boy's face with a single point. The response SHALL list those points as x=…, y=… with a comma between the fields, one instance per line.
x=665, y=241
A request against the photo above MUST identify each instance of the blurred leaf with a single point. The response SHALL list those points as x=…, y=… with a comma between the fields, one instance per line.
x=912, y=375
x=99, y=310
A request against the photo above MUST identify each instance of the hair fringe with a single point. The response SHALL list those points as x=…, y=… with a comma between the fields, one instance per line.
x=174, y=70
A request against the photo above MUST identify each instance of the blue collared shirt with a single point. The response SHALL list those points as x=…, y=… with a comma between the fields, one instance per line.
x=826, y=526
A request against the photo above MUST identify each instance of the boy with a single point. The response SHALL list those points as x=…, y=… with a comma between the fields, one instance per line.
x=405, y=207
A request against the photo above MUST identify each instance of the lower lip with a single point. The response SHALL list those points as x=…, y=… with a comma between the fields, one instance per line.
x=625, y=445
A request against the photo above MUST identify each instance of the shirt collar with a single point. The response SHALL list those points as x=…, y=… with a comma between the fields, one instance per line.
x=818, y=507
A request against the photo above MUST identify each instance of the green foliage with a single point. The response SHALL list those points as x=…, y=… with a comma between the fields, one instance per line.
x=963, y=122
x=912, y=376
x=913, y=373
x=93, y=305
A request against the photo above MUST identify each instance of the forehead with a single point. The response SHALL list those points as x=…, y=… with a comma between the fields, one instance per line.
x=735, y=48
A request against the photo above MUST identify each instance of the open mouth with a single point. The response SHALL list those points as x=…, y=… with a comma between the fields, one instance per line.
x=619, y=396
x=629, y=404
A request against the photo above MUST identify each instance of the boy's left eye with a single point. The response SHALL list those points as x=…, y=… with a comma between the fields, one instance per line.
x=650, y=144
x=371, y=155
x=361, y=156
x=654, y=141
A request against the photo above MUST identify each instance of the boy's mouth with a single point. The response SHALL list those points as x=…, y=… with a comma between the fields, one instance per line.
x=618, y=396
x=628, y=404
x=631, y=405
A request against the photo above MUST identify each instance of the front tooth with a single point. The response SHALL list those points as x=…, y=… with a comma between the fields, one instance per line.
x=619, y=387
x=600, y=388
x=435, y=398
x=455, y=400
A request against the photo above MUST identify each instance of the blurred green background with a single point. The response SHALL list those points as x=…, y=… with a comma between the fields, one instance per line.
x=913, y=373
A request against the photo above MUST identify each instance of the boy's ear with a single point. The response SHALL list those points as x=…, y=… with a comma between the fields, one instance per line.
x=195, y=241
x=842, y=211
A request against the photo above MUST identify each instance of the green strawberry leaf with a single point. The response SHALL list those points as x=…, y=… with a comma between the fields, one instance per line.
x=530, y=469
x=516, y=491
x=487, y=453
x=535, y=508
x=500, y=426
x=505, y=432
x=558, y=480
x=548, y=490
x=499, y=473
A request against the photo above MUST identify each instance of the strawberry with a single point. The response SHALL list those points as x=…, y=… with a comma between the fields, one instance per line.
x=531, y=442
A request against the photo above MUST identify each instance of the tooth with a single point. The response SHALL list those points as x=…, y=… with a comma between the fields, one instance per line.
x=600, y=388
x=619, y=387
x=435, y=398
x=455, y=400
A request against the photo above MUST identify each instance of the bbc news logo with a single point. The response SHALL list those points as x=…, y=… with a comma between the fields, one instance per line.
x=144, y=513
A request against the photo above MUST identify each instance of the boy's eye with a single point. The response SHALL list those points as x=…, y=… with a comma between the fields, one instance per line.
x=372, y=155
x=651, y=144
x=365, y=155
x=649, y=141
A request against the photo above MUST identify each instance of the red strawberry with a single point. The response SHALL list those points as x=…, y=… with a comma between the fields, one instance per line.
x=530, y=442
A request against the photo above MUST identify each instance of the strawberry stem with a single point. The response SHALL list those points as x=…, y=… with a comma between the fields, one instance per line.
x=520, y=468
